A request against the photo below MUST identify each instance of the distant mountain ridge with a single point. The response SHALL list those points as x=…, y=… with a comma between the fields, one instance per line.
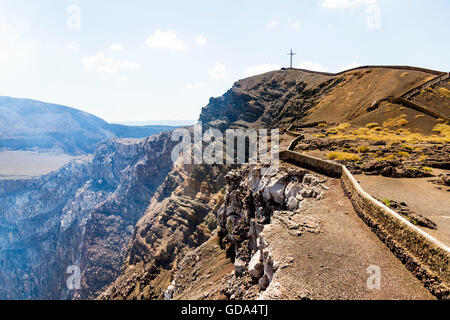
x=27, y=124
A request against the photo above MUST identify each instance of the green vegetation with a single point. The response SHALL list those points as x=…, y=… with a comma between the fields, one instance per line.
x=387, y=202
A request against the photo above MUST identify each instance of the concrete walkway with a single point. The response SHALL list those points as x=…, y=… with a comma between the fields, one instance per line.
x=333, y=263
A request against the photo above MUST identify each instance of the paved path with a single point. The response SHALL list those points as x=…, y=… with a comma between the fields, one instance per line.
x=333, y=264
x=421, y=196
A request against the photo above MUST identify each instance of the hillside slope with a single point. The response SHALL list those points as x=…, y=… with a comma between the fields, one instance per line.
x=281, y=98
x=142, y=222
x=26, y=124
x=165, y=261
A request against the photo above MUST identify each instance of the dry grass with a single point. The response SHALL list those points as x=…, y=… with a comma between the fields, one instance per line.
x=403, y=154
x=443, y=129
x=445, y=92
x=339, y=128
x=372, y=125
x=390, y=136
x=389, y=157
x=400, y=121
x=363, y=149
x=336, y=155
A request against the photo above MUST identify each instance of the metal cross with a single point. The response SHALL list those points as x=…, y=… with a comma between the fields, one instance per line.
x=292, y=54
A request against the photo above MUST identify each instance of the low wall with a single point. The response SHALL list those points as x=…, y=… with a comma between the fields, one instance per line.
x=295, y=142
x=315, y=164
x=423, y=255
x=411, y=92
x=420, y=108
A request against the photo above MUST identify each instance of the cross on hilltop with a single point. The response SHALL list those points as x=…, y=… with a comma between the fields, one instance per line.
x=292, y=54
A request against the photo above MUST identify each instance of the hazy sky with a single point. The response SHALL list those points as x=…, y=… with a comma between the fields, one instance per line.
x=141, y=60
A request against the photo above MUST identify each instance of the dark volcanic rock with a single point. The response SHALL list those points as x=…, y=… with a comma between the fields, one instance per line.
x=83, y=214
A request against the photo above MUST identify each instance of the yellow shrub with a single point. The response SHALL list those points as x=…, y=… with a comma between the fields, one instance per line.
x=443, y=129
x=372, y=125
x=335, y=155
x=363, y=149
x=405, y=146
x=403, y=154
x=389, y=157
x=400, y=121
x=339, y=128
x=445, y=92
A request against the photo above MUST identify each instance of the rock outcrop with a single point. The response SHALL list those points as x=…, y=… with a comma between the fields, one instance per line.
x=255, y=198
x=180, y=218
x=83, y=214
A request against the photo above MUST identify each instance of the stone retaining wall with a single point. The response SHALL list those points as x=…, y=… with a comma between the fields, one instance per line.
x=414, y=91
x=427, y=258
x=315, y=164
x=418, y=107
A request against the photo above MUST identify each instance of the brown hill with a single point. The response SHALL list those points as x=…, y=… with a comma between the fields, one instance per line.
x=280, y=98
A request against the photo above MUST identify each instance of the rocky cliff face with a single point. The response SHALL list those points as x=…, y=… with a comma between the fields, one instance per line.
x=83, y=215
x=180, y=217
x=268, y=100
x=141, y=227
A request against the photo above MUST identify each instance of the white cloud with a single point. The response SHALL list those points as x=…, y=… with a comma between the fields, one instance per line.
x=272, y=24
x=75, y=46
x=373, y=10
x=313, y=66
x=166, y=40
x=218, y=72
x=338, y=4
x=103, y=65
x=349, y=66
x=259, y=69
x=16, y=48
x=297, y=25
x=195, y=85
x=116, y=47
x=201, y=40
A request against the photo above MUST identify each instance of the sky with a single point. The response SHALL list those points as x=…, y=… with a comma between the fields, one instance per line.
x=145, y=60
